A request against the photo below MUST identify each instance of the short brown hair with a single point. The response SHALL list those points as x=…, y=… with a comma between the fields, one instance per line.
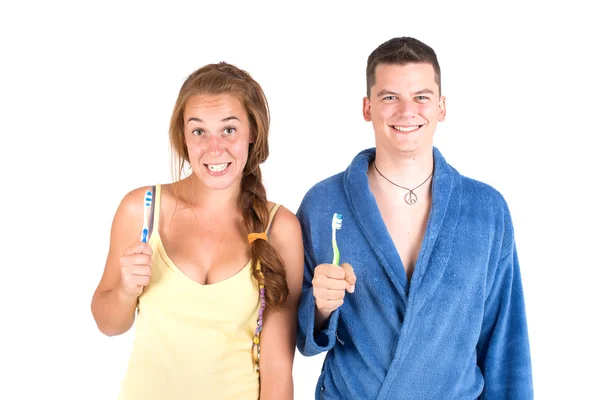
x=402, y=51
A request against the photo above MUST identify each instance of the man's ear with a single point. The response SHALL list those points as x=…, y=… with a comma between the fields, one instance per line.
x=442, y=109
x=367, y=109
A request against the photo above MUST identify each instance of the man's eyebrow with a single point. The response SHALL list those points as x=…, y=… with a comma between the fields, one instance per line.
x=424, y=91
x=386, y=92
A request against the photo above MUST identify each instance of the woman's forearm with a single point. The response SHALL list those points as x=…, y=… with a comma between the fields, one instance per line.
x=113, y=311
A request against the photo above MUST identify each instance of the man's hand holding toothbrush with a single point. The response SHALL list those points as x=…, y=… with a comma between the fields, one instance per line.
x=331, y=281
x=330, y=284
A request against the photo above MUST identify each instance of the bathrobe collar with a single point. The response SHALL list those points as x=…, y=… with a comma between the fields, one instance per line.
x=444, y=212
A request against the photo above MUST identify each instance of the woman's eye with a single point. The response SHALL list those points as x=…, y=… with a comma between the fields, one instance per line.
x=229, y=131
x=198, y=132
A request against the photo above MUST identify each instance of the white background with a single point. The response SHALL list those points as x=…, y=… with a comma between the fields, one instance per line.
x=86, y=93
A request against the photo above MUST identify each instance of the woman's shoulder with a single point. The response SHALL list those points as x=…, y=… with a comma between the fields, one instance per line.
x=285, y=227
x=134, y=200
x=131, y=208
x=286, y=238
x=283, y=217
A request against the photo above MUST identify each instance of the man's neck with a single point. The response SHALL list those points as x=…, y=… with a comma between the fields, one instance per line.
x=405, y=169
x=404, y=181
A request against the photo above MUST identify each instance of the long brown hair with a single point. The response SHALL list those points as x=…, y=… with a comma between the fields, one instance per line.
x=226, y=78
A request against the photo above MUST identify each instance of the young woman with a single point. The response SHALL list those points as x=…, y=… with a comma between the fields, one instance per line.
x=215, y=290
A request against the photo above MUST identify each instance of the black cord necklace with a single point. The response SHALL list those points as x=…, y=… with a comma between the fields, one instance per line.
x=410, y=198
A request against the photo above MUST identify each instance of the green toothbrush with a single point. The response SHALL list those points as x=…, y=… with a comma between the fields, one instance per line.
x=336, y=225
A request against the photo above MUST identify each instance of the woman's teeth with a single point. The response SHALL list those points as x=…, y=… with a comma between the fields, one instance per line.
x=217, y=167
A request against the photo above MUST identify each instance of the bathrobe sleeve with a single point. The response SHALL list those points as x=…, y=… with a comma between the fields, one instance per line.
x=503, y=346
x=308, y=341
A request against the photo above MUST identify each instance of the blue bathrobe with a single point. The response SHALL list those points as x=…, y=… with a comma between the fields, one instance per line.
x=458, y=331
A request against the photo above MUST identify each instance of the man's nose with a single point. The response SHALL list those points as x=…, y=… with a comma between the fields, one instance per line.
x=406, y=109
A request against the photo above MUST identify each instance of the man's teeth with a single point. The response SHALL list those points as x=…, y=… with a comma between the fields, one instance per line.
x=217, y=167
x=406, y=128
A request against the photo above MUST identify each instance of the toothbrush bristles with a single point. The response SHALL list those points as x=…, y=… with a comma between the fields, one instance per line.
x=337, y=221
x=148, y=198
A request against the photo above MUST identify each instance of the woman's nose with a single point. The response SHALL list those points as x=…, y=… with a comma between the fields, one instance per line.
x=215, y=145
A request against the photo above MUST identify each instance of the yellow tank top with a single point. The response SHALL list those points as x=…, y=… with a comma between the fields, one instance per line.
x=193, y=341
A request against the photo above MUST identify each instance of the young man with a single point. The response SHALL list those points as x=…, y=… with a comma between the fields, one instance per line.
x=428, y=303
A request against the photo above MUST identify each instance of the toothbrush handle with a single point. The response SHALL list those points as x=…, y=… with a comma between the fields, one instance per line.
x=144, y=236
x=336, y=256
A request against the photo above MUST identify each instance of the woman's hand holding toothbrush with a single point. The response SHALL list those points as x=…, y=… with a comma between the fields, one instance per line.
x=135, y=269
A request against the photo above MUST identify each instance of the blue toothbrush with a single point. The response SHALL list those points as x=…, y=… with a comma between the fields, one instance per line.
x=147, y=204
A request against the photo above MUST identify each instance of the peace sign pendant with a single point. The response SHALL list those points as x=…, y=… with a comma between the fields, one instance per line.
x=410, y=198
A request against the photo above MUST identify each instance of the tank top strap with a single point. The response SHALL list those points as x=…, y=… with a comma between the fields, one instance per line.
x=271, y=216
x=155, y=210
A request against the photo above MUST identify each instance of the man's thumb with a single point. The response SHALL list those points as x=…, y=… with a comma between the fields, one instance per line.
x=350, y=277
